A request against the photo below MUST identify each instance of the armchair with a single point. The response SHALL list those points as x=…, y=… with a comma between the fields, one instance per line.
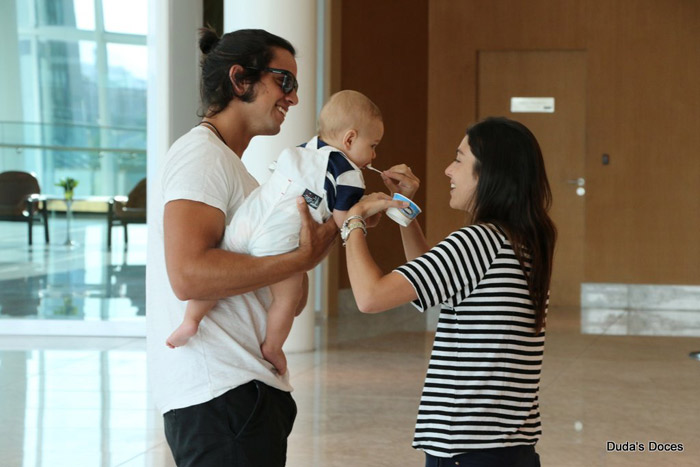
x=125, y=210
x=21, y=201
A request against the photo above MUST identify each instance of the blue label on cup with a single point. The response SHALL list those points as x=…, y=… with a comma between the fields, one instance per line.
x=403, y=216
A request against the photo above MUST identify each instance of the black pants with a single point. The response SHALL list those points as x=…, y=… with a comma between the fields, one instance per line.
x=515, y=456
x=247, y=426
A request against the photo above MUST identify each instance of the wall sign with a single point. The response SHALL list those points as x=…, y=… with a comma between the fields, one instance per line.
x=532, y=105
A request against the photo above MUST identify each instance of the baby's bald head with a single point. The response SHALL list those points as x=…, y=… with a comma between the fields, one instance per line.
x=346, y=110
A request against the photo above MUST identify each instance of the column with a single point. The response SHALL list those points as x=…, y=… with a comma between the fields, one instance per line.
x=173, y=76
x=10, y=85
x=296, y=22
x=10, y=95
x=173, y=88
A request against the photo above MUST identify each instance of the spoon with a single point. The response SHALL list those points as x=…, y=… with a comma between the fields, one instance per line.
x=369, y=166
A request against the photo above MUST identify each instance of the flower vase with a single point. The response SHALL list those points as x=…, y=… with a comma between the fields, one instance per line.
x=69, y=219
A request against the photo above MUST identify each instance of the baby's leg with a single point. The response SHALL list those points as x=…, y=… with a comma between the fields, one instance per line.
x=196, y=310
x=285, y=301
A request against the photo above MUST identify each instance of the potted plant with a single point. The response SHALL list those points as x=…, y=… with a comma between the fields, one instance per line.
x=68, y=309
x=68, y=184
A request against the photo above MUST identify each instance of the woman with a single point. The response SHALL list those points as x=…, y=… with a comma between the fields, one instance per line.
x=480, y=399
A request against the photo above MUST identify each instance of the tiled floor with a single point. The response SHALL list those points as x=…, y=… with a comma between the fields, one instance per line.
x=80, y=284
x=84, y=401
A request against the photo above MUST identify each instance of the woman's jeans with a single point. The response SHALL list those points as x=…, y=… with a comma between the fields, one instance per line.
x=515, y=456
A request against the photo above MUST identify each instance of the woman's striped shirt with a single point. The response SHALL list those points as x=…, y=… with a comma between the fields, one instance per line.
x=482, y=385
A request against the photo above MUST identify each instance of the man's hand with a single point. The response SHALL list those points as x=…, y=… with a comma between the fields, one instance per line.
x=315, y=240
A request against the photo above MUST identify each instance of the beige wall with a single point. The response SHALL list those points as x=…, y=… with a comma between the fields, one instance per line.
x=418, y=61
x=643, y=101
x=384, y=54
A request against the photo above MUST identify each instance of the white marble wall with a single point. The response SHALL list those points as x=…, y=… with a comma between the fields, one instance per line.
x=641, y=296
x=640, y=309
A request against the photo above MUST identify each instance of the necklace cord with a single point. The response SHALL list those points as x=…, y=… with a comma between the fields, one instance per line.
x=216, y=130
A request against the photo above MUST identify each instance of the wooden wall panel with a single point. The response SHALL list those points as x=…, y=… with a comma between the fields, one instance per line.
x=643, y=215
x=418, y=58
x=643, y=209
x=384, y=54
x=459, y=29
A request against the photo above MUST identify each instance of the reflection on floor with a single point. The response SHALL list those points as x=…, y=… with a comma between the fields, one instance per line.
x=80, y=284
x=610, y=376
x=84, y=401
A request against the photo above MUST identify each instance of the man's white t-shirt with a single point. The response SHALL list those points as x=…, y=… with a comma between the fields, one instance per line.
x=225, y=352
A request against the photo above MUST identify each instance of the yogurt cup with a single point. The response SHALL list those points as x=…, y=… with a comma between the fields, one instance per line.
x=403, y=216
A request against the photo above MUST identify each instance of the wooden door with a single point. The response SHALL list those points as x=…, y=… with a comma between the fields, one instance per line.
x=562, y=137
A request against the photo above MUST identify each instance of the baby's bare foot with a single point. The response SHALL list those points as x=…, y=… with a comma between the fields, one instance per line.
x=182, y=334
x=276, y=356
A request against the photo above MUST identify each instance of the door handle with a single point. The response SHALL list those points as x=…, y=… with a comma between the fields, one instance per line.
x=580, y=184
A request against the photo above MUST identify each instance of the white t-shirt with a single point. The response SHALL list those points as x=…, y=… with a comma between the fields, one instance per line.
x=225, y=352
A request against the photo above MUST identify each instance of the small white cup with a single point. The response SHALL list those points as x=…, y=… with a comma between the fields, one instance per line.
x=403, y=216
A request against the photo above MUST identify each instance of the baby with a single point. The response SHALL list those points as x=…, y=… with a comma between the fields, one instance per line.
x=326, y=172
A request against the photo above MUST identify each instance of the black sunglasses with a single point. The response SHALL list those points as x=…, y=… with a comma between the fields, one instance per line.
x=289, y=83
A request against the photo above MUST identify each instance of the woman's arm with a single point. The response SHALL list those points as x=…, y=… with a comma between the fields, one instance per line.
x=400, y=179
x=374, y=292
x=414, y=242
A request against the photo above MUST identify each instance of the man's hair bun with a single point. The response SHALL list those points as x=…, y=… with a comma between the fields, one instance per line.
x=208, y=38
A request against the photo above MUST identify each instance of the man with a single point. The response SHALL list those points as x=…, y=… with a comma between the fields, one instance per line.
x=223, y=404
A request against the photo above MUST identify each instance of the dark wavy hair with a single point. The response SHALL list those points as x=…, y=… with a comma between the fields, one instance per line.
x=513, y=192
x=249, y=48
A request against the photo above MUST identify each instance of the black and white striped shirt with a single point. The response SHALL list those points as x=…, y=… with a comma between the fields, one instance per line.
x=482, y=386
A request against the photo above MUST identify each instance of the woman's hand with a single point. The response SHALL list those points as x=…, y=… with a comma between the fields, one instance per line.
x=400, y=179
x=373, y=204
x=373, y=221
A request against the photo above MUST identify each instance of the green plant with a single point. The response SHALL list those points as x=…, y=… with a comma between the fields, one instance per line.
x=68, y=184
x=68, y=309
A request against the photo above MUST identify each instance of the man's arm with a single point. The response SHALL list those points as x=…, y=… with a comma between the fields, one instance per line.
x=198, y=269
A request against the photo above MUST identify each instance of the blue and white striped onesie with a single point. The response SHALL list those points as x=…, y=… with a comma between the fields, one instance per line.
x=268, y=222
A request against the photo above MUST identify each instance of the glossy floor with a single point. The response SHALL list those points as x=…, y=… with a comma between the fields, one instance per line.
x=84, y=401
x=82, y=283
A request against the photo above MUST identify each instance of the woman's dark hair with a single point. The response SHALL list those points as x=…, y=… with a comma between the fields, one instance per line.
x=513, y=192
x=249, y=48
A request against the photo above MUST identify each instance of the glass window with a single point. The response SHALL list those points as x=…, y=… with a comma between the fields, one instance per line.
x=128, y=64
x=78, y=110
x=126, y=86
x=79, y=14
x=83, y=94
x=25, y=14
x=127, y=73
x=126, y=16
x=68, y=82
x=84, y=14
